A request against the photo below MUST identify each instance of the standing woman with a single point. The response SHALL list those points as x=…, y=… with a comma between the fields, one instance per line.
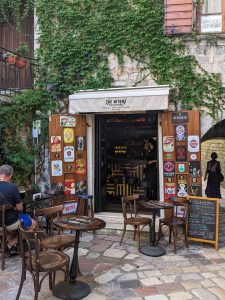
x=213, y=171
x=151, y=173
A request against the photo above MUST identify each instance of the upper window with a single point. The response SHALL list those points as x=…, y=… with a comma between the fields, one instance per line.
x=211, y=16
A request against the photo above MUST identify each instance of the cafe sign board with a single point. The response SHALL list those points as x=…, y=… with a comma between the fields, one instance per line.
x=211, y=23
x=203, y=220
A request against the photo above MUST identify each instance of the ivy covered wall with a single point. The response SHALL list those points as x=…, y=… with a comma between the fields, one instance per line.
x=91, y=44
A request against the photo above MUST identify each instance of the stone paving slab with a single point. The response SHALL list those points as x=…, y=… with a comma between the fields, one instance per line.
x=117, y=272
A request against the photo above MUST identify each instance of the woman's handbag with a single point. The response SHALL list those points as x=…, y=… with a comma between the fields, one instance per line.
x=221, y=177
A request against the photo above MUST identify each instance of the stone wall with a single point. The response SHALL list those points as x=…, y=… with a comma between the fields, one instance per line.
x=210, y=146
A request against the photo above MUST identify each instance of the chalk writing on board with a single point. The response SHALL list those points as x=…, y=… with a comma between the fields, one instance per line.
x=202, y=219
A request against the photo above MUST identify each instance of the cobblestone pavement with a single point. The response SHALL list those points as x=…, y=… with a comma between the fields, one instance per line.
x=119, y=272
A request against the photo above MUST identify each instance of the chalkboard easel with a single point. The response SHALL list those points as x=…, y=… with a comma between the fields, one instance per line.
x=203, y=220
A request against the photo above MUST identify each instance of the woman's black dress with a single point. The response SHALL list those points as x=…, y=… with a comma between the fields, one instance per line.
x=214, y=179
x=151, y=174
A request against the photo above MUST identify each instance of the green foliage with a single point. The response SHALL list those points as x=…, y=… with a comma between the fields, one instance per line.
x=77, y=36
x=16, y=125
x=14, y=11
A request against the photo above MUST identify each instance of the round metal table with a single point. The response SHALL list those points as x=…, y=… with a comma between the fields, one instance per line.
x=74, y=289
x=153, y=249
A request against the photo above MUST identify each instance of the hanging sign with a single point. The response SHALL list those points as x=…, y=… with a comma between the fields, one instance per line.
x=56, y=143
x=179, y=117
x=195, y=168
x=69, y=154
x=68, y=134
x=170, y=190
x=168, y=143
x=181, y=153
x=56, y=168
x=67, y=121
x=193, y=143
x=182, y=185
x=195, y=190
x=180, y=133
x=80, y=143
x=81, y=187
x=169, y=169
x=69, y=187
x=80, y=166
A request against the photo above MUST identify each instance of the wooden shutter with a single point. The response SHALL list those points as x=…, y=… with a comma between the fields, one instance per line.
x=181, y=154
x=178, y=16
x=10, y=39
x=67, y=169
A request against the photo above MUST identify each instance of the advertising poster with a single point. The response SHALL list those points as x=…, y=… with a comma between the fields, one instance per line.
x=68, y=134
x=69, y=154
x=80, y=143
x=180, y=133
x=67, y=121
x=168, y=143
x=81, y=166
x=169, y=190
x=182, y=185
x=181, y=153
x=81, y=187
x=195, y=190
x=56, y=168
x=69, y=187
x=193, y=143
x=56, y=143
x=195, y=168
x=70, y=208
x=169, y=169
x=69, y=167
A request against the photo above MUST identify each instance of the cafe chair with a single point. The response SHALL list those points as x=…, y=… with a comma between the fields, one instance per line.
x=178, y=219
x=3, y=231
x=57, y=241
x=39, y=261
x=131, y=217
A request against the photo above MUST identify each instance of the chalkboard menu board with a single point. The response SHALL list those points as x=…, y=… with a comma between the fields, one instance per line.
x=203, y=220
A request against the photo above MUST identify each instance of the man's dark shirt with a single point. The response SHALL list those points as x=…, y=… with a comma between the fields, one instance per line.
x=12, y=195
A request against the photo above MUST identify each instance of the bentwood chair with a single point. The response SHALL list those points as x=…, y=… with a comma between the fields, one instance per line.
x=3, y=231
x=179, y=219
x=39, y=261
x=131, y=217
x=58, y=241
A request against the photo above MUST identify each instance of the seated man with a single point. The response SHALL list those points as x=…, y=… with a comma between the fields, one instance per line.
x=9, y=194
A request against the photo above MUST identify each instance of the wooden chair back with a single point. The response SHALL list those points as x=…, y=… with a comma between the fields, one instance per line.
x=3, y=210
x=27, y=241
x=50, y=213
x=129, y=206
x=180, y=210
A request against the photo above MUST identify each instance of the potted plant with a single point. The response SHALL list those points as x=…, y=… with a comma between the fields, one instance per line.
x=22, y=51
x=11, y=58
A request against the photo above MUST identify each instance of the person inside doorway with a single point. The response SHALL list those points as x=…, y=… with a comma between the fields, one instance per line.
x=151, y=174
x=213, y=171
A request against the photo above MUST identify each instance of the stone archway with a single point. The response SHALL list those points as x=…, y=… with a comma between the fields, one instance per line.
x=214, y=141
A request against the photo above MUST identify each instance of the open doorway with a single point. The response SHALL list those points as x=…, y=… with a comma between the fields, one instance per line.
x=122, y=155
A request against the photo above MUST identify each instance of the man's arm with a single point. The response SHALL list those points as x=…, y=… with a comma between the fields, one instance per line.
x=19, y=206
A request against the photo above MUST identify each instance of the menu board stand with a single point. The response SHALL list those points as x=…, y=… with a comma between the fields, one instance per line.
x=203, y=220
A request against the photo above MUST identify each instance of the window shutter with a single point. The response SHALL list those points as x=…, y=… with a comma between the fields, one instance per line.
x=178, y=16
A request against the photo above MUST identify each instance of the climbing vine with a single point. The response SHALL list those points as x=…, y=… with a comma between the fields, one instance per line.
x=76, y=38
x=14, y=11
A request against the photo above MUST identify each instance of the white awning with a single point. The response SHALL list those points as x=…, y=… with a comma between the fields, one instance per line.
x=120, y=100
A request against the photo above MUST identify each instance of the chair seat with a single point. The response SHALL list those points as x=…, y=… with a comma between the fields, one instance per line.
x=138, y=221
x=50, y=260
x=58, y=241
